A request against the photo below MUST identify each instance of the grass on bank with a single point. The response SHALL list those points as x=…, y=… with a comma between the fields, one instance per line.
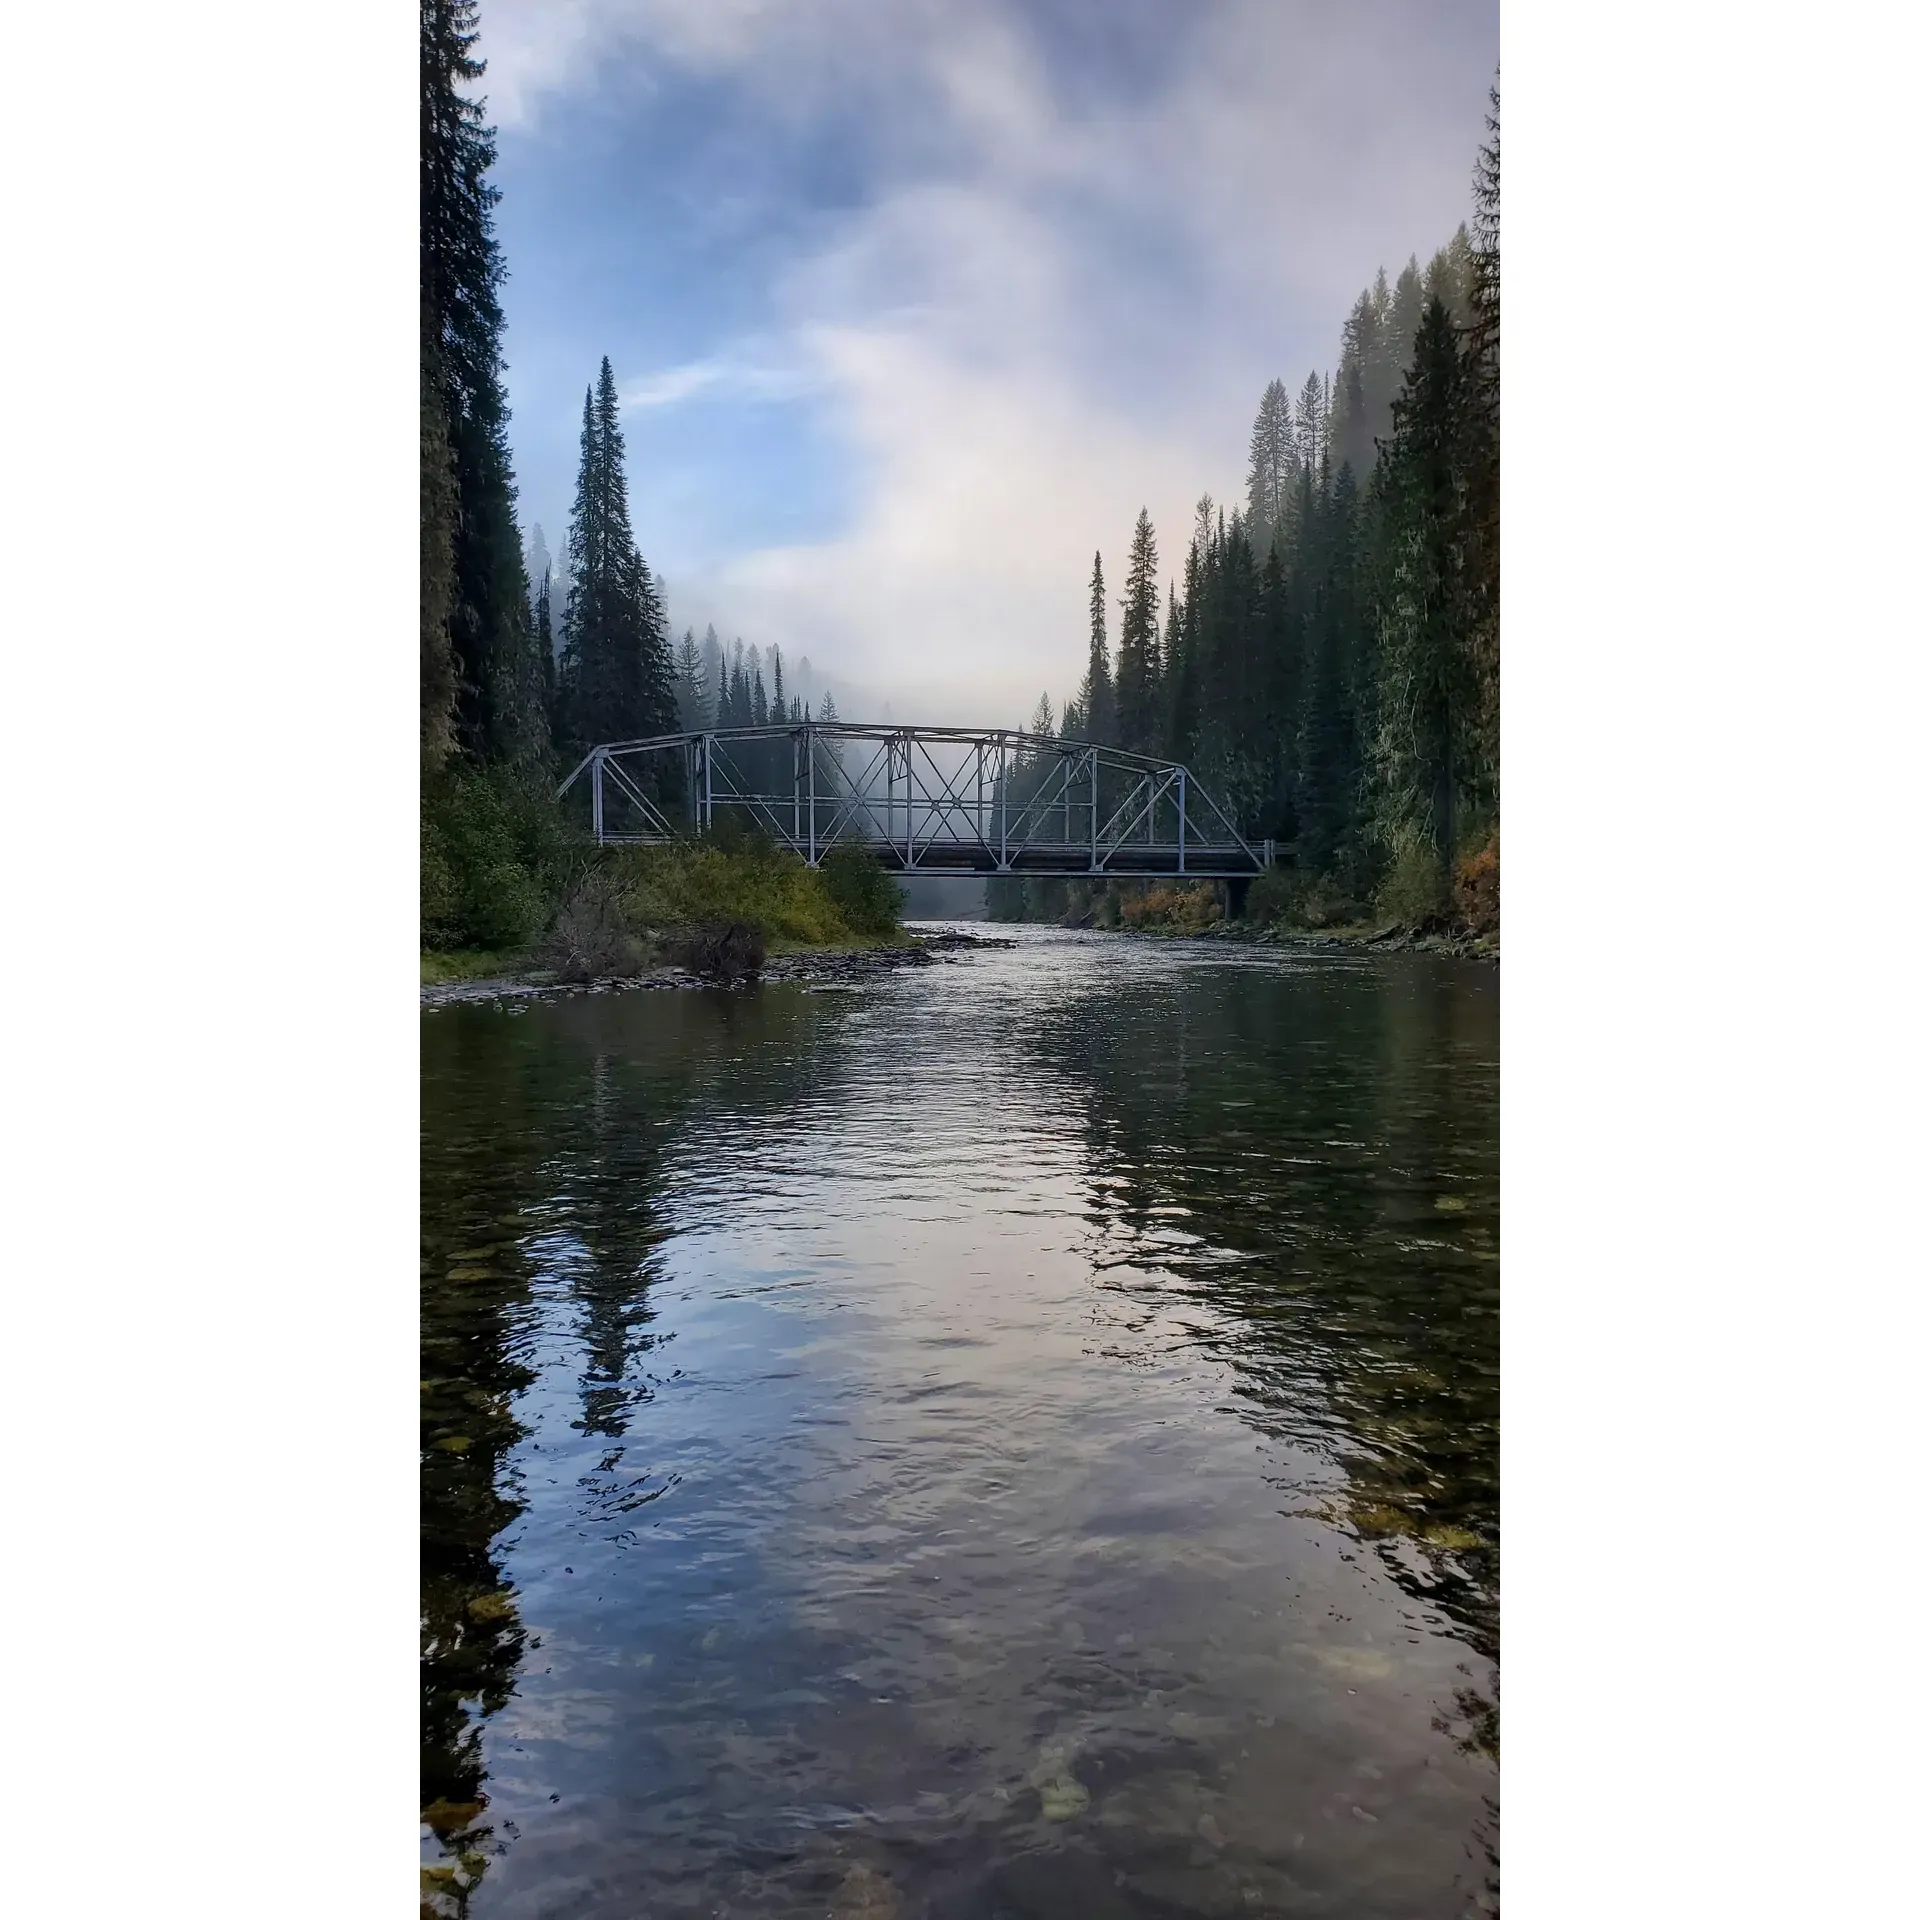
x=472, y=963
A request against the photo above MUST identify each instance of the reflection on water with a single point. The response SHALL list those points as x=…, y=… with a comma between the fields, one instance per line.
x=1016, y=1439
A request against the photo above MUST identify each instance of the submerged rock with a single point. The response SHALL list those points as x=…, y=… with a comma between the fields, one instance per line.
x=1062, y=1797
x=865, y=1894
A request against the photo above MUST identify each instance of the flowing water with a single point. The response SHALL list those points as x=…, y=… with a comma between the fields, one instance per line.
x=1019, y=1437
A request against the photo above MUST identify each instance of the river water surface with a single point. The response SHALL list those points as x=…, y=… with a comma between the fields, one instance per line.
x=1017, y=1438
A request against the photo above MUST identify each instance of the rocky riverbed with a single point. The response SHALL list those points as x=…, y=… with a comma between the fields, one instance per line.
x=829, y=965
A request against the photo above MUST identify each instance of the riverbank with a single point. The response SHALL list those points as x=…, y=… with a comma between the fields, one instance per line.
x=828, y=965
x=1388, y=938
x=1384, y=939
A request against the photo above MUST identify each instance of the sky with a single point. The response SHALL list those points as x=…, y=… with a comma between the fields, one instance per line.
x=912, y=305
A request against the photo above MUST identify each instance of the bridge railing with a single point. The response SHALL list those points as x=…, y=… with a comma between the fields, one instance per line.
x=923, y=799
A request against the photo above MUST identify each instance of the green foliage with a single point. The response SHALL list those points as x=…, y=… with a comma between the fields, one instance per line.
x=1096, y=713
x=690, y=884
x=438, y=506
x=1289, y=897
x=1170, y=909
x=618, y=675
x=1428, y=697
x=1417, y=891
x=868, y=897
x=474, y=586
x=1136, y=674
x=496, y=857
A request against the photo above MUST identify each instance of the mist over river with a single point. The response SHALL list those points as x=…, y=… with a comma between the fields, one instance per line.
x=1010, y=1438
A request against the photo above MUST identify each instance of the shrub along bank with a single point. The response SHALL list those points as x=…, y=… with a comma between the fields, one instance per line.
x=1415, y=896
x=506, y=882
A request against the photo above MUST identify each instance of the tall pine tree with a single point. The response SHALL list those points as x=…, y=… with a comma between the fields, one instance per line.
x=1483, y=451
x=1136, y=674
x=1271, y=460
x=1096, y=694
x=619, y=683
x=470, y=544
x=1429, y=706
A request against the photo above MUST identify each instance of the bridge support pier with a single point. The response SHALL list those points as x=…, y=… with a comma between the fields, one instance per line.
x=1237, y=898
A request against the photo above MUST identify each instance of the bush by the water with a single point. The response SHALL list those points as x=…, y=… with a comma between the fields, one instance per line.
x=496, y=857
x=1417, y=891
x=1286, y=897
x=1189, y=909
x=701, y=884
x=716, y=909
x=868, y=897
x=502, y=870
x=1476, y=888
x=591, y=938
x=723, y=949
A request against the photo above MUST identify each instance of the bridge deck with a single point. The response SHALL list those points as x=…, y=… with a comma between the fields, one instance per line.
x=1063, y=861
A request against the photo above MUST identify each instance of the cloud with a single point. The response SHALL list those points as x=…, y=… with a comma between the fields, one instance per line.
x=710, y=379
x=1049, y=303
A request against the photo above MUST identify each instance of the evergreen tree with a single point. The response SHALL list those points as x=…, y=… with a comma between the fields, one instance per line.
x=543, y=640
x=777, y=712
x=739, y=695
x=1277, y=672
x=539, y=562
x=1270, y=463
x=1185, y=693
x=1310, y=423
x=1136, y=679
x=1097, y=695
x=1170, y=738
x=497, y=709
x=1381, y=371
x=713, y=676
x=1403, y=320
x=439, y=505
x=1347, y=440
x=1449, y=277
x=690, y=692
x=1483, y=450
x=1332, y=673
x=1428, y=715
x=619, y=662
x=1042, y=722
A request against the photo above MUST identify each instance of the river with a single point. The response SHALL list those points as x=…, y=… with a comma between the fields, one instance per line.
x=1018, y=1437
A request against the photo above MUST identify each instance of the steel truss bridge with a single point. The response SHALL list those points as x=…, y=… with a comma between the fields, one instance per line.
x=922, y=800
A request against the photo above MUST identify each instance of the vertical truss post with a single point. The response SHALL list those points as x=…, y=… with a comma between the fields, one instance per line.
x=706, y=779
x=907, y=756
x=1183, y=819
x=796, y=787
x=599, y=801
x=980, y=792
x=813, y=850
x=1006, y=801
x=1093, y=812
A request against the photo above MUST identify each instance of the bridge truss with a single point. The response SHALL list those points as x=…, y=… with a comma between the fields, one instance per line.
x=921, y=799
